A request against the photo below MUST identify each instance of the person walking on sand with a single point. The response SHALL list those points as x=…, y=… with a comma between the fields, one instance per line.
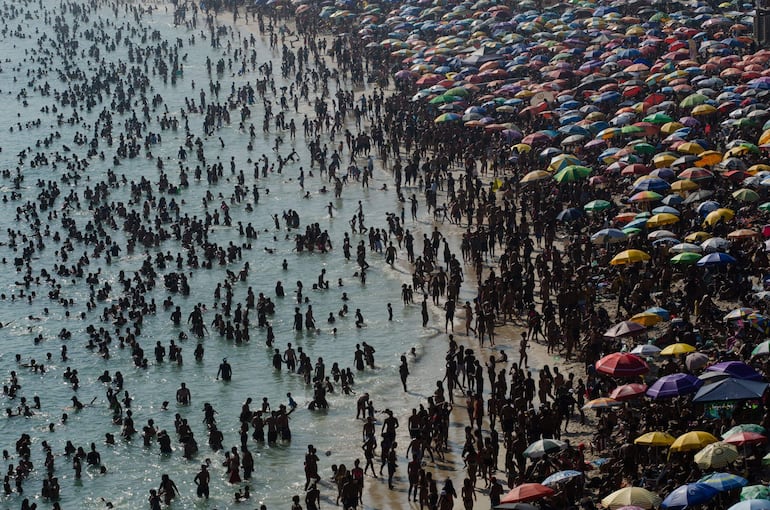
x=523, y=357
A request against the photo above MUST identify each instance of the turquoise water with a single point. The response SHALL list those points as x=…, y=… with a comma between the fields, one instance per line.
x=132, y=469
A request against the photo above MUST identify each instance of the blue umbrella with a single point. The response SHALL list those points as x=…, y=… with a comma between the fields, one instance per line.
x=689, y=495
x=666, y=209
x=561, y=476
x=662, y=312
x=571, y=214
x=708, y=206
x=673, y=199
x=652, y=184
x=674, y=385
x=752, y=504
x=716, y=259
x=731, y=389
x=737, y=369
x=724, y=481
x=608, y=236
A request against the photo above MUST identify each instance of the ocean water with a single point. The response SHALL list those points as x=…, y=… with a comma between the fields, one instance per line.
x=133, y=470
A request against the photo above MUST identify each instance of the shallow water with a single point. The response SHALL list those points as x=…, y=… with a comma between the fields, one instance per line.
x=132, y=469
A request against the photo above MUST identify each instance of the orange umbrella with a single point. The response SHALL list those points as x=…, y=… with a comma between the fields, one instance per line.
x=527, y=492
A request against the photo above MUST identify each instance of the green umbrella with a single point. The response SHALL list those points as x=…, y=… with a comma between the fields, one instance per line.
x=686, y=258
x=645, y=148
x=444, y=98
x=693, y=100
x=597, y=205
x=457, y=91
x=658, y=118
x=755, y=492
x=632, y=130
x=632, y=231
x=572, y=173
x=765, y=207
x=746, y=195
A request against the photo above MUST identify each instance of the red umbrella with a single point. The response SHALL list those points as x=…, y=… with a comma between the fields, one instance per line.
x=628, y=391
x=621, y=364
x=744, y=438
x=527, y=492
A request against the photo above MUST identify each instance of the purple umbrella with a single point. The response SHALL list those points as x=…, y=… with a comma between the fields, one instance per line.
x=674, y=385
x=736, y=369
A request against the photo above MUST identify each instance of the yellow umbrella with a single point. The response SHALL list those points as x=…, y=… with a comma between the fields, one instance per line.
x=740, y=150
x=662, y=219
x=655, y=439
x=697, y=237
x=708, y=158
x=663, y=160
x=522, y=147
x=629, y=257
x=690, y=148
x=716, y=455
x=703, y=109
x=721, y=214
x=631, y=496
x=694, y=440
x=684, y=185
x=677, y=349
x=759, y=167
x=646, y=319
x=535, y=176
x=764, y=138
x=670, y=127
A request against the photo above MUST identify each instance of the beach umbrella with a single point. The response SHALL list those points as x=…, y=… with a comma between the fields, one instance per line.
x=535, y=176
x=743, y=233
x=686, y=258
x=685, y=248
x=737, y=369
x=696, y=360
x=628, y=391
x=625, y=328
x=715, y=244
x=608, y=236
x=527, y=492
x=572, y=173
x=684, y=185
x=739, y=313
x=724, y=481
x=755, y=492
x=634, y=496
x=646, y=350
x=691, y=494
x=570, y=215
x=646, y=319
x=716, y=259
x=655, y=439
x=674, y=385
x=662, y=219
x=694, y=440
x=763, y=349
x=716, y=455
x=543, y=447
x=744, y=438
x=602, y=403
x=745, y=195
x=752, y=504
x=645, y=196
x=622, y=365
x=629, y=257
x=721, y=214
x=731, y=389
x=447, y=117
x=677, y=349
x=746, y=427
x=597, y=205
x=647, y=183
x=561, y=476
